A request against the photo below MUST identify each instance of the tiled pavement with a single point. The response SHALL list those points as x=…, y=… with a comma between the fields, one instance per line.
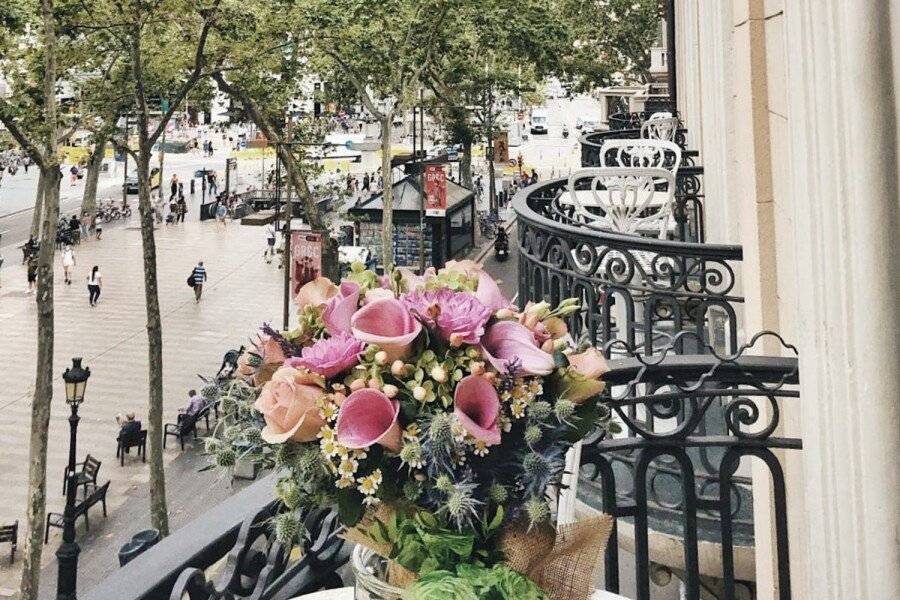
x=242, y=291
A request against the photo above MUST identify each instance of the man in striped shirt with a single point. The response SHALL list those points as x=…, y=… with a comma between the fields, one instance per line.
x=199, y=276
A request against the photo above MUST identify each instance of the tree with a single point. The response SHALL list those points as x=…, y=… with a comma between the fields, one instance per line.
x=161, y=58
x=379, y=50
x=39, y=140
x=262, y=66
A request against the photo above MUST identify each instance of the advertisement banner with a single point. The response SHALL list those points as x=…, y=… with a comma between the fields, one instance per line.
x=501, y=147
x=435, y=191
x=306, y=258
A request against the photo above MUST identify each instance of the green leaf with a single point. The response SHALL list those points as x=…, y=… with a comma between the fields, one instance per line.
x=496, y=521
x=350, y=506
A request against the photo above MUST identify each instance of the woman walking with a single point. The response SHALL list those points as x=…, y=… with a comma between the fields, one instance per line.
x=68, y=263
x=94, y=283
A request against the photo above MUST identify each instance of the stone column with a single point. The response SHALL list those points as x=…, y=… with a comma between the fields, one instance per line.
x=843, y=110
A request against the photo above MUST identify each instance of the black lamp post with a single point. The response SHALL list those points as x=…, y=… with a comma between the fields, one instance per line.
x=67, y=554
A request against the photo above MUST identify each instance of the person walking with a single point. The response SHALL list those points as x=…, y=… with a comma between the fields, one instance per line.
x=31, y=272
x=94, y=283
x=173, y=187
x=68, y=263
x=270, y=243
x=221, y=211
x=365, y=183
x=198, y=276
x=213, y=185
x=181, y=210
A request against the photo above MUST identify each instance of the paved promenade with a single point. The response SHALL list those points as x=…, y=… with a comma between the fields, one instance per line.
x=242, y=291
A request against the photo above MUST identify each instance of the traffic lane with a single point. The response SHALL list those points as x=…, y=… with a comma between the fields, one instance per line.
x=505, y=272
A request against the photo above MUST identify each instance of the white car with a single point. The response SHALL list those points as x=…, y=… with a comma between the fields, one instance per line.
x=588, y=126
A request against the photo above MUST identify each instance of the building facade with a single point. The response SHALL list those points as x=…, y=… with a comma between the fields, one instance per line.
x=793, y=106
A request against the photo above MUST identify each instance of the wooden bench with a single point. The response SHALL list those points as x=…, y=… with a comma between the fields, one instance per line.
x=88, y=473
x=96, y=494
x=136, y=440
x=10, y=533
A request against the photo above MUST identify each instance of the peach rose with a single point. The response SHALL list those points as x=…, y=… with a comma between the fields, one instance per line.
x=289, y=404
x=315, y=293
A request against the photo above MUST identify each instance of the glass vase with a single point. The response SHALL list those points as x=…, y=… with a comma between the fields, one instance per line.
x=370, y=572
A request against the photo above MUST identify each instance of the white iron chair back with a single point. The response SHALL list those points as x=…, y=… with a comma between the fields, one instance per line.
x=632, y=200
x=660, y=128
x=643, y=153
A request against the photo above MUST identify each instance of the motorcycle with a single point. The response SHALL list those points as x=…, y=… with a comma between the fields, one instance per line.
x=501, y=247
x=565, y=132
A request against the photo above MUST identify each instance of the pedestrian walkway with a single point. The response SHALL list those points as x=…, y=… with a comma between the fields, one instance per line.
x=242, y=291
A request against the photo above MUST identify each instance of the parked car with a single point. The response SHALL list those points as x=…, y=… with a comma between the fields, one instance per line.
x=131, y=183
x=589, y=126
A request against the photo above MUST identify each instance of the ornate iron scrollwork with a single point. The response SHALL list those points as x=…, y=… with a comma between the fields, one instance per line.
x=259, y=567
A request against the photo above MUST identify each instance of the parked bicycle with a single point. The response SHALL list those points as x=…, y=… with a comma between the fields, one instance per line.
x=487, y=224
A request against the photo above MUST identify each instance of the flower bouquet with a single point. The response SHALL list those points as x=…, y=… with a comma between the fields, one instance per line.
x=435, y=417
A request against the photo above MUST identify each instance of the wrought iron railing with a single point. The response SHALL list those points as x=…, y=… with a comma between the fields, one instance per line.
x=230, y=552
x=627, y=120
x=690, y=421
x=640, y=290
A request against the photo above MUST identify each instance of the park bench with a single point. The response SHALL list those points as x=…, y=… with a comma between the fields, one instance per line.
x=137, y=439
x=186, y=426
x=88, y=473
x=10, y=533
x=92, y=495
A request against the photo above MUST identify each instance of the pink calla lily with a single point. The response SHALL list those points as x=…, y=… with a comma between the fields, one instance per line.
x=477, y=408
x=368, y=417
x=489, y=294
x=339, y=309
x=387, y=324
x=507, y=343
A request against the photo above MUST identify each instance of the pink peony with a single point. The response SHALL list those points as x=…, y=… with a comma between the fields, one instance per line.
x=458, y=317
x=509, y=344
x=330, y=356
x=387, y=324
x=477, y=408
x=289, y=404
x=340, y=308
x=368, y=417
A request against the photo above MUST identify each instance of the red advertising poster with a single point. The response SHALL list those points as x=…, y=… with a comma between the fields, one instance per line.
x=306, y=258
x=435, y=191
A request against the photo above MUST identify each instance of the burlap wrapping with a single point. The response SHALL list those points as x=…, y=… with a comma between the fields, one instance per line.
x=564, y=563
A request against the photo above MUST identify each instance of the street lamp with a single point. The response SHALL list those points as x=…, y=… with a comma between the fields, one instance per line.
x=67, y=554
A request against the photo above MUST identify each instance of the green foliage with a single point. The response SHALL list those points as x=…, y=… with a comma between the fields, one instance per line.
x=476, y=582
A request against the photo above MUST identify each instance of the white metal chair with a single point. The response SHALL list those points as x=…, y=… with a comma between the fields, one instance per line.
x=660, y=128
x=629, y=198
x=642, y=153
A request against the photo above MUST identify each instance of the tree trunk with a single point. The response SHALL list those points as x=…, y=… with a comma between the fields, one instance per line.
x=387, y=193
x=159, y=514
x=38, y=209
x=43, y=379
x=465, y=165
x=89, y=200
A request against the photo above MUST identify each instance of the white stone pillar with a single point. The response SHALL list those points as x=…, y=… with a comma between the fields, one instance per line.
x=843, y=111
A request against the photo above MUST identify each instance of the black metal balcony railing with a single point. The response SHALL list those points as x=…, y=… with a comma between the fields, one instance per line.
x=672, y=475
x=640, y=290
x=234, y=539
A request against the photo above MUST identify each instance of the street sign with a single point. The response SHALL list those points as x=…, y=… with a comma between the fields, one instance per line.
x=435, y=191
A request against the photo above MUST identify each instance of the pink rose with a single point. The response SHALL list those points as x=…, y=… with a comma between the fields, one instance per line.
x=270, y=350
x=581, y=380
x=510, y=345
x=289, y=404
x=368, y=417
x=315, y=293
x=467, y=267
x=330, y=356
x=387, y=324
x=477, y=407
x=340, y=308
